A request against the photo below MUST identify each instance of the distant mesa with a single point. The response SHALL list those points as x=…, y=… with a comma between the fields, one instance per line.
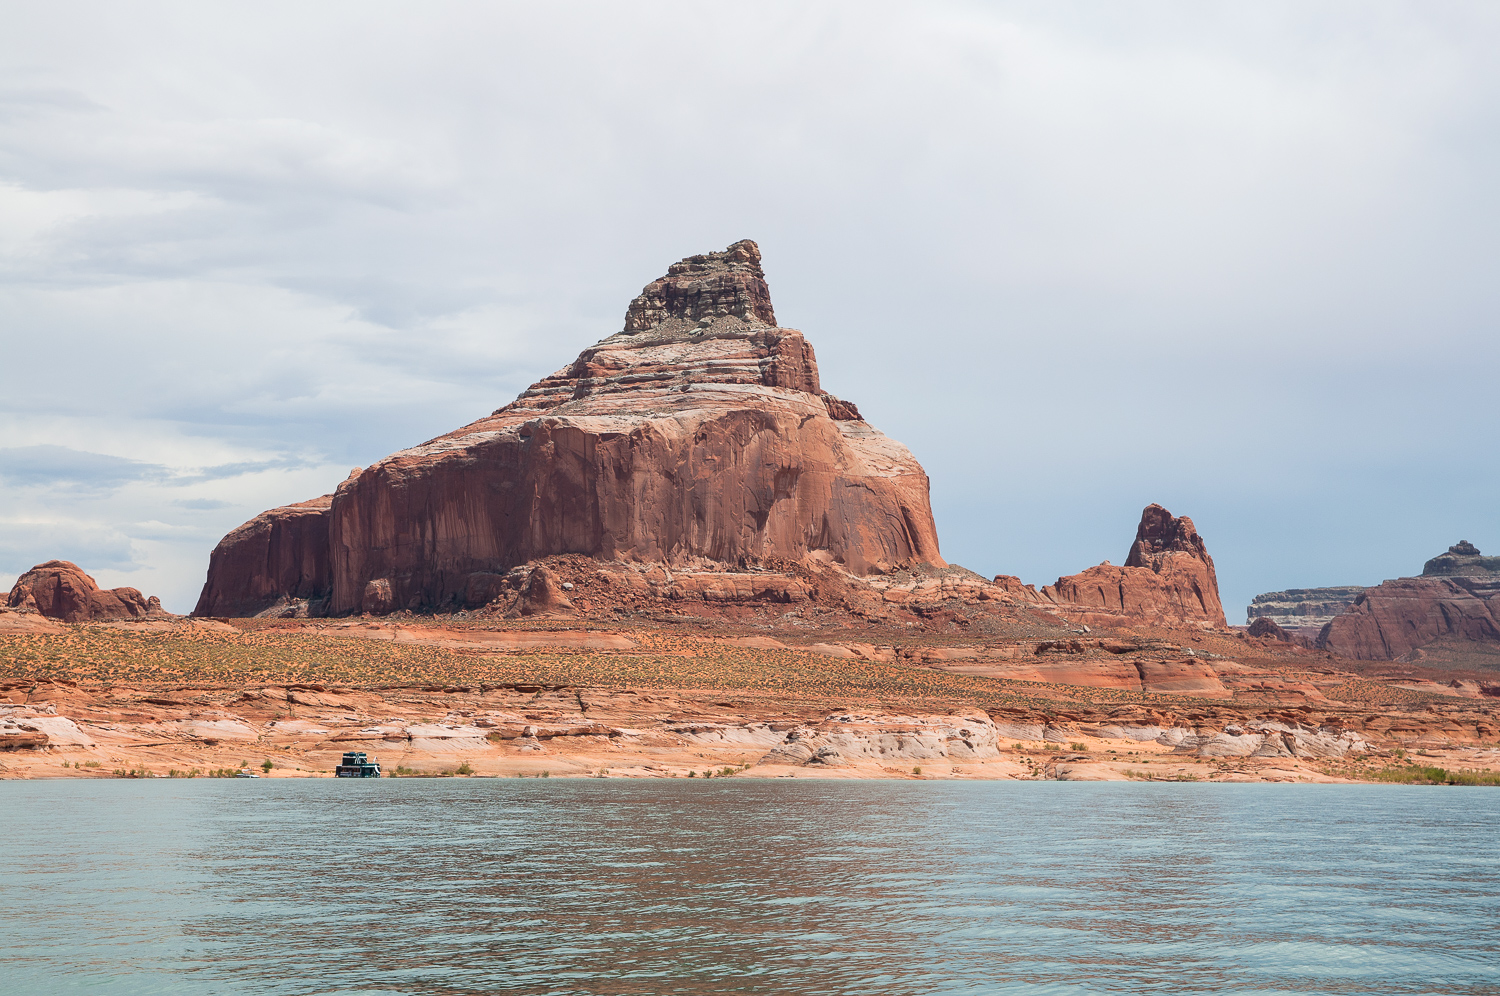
x=1168, y=578
x=1302, y=608
x=60, y=590
x=1463, y=559
x=697, y=435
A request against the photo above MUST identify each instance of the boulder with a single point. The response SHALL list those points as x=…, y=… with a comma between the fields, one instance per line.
x=60, y=590
x=698, y=434
x=1168, y=578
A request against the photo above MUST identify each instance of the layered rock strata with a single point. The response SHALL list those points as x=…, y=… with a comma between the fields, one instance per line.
x=1168, y=578
x=1299, y=608
x=699, y=434
x=61, y=590
x=1462, y=559
x=1399, y=617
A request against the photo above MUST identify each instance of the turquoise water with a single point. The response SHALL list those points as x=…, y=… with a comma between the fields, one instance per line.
x=743, y=886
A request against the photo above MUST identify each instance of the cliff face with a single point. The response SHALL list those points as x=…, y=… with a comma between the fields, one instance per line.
x=1168, y=577
x=60, y=590
x=1398, y=617
x=279, y=555
x=1297, y=608
x=698, y=434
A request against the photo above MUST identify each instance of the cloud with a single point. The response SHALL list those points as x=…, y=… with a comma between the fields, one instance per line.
x=61, y=468
x=202, y=504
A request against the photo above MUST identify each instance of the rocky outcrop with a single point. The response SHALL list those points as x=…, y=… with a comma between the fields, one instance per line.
x=1463, y=559
x=60, y=590
x=278, y=557
x=1265, y=629
x=1399, y=617
x=1168, y=579
x=699, y=434
x=1299, y=608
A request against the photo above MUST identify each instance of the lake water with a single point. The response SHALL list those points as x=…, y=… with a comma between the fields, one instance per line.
x=745, y=886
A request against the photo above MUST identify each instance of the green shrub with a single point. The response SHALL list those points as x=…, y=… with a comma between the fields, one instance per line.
x=466, y=768
x=916, y=771
x=1416, y=774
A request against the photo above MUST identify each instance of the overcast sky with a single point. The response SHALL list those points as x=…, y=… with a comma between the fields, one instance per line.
x=1239, y=259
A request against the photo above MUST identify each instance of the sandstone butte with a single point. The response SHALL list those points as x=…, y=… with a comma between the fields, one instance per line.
x=1168, y=579
x=60, y=590
x=698, y=435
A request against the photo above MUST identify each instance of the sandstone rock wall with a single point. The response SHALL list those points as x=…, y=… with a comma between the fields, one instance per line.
x=279, y=555
x=1398, y=617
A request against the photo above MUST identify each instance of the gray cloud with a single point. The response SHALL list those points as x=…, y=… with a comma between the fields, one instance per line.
x=1236, y=259
x=64, y=469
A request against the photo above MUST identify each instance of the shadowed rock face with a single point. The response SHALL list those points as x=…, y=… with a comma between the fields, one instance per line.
x=279, y=555
x=60, y=590
x=1168, y=577
x=698, y=434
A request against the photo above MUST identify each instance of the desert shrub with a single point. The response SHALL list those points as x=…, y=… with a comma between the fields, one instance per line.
x=465, y=769
x=1416, y=774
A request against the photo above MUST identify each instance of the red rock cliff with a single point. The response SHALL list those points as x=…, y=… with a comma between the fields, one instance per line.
x=279, y=555
x=60, y=590
x=698, y=433
x=1392, y=620
x=1168, y=577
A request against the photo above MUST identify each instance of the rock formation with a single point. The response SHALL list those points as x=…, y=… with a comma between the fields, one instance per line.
x=1265, y=629
x=1400, y=617
x=1299, y=608
x=277, y=557
x=1168, y=578
x=1463, y=559
x=697, y=435
x=60, y=590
